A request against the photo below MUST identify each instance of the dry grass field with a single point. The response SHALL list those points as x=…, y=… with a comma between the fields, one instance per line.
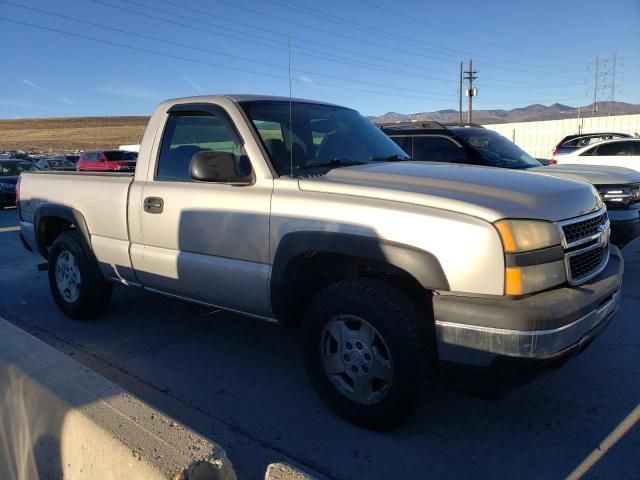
x=69, y=134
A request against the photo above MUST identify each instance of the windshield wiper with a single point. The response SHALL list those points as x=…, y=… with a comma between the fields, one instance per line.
x=391, y=158
x=336, y=162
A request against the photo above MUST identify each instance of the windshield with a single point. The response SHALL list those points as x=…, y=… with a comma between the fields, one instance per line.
x=322, y=137
x=13, y=169
x=497, y=151
x=61, y=163
x=118, y=156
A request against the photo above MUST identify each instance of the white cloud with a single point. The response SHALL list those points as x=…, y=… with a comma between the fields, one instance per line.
x=308, y=80
x=195, y=85
x=13, y=103
x=131, y=92
x=31, y=84
x=66, y=100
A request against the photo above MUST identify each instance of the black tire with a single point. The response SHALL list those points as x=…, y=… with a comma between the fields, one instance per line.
x=94, y=291
x=408, y=335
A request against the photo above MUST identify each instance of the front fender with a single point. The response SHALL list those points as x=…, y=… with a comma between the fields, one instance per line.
x=421, y=265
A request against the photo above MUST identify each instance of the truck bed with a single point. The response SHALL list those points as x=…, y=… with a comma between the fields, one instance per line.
x=100, y=197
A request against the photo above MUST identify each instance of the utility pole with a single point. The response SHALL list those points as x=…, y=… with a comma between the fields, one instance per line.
x=460, y=98
x=579, y=120
x=613, y=84
x=594, y=108
x=471, y=75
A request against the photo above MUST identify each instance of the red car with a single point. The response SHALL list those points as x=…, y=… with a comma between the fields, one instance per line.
x=107, y=161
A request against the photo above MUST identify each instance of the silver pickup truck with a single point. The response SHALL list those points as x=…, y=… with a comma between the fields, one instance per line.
x=402, y=274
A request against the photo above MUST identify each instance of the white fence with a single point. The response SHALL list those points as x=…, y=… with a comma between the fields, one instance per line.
x=539, y=138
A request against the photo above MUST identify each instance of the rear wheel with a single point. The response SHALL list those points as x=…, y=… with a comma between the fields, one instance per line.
x=369, y=352
x=77, y=284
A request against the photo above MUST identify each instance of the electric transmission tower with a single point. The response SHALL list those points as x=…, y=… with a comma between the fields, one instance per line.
x=604, y=82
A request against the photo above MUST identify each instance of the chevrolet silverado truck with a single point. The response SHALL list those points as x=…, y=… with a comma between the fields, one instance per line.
x=304, y=212
x=473, y=144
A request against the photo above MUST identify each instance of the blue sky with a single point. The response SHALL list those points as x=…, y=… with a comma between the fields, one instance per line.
x=374, y=56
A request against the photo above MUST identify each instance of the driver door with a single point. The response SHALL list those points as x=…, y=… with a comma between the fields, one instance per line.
x=204, y=241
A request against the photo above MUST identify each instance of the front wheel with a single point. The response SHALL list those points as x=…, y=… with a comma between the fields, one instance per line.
x=369, y=352
x=76, y=282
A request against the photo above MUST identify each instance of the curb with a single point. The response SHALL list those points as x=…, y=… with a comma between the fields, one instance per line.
x=59, y=419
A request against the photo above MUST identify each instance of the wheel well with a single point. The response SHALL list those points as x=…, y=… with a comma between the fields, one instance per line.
x=309, y=273
x=49, y=228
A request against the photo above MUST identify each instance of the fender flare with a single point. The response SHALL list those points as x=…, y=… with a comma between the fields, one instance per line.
x=69, y=214
x=421, y=265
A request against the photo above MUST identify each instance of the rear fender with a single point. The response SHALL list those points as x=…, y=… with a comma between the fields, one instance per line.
x=68, y=215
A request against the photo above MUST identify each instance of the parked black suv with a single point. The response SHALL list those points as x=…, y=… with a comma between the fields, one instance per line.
x=468, y=144
x=473, y=144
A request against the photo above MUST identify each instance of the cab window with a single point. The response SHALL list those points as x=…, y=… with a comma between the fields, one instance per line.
x=187, y=134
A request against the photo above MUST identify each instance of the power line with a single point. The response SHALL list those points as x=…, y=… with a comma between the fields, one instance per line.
x=235, y=57
x=298, y=39
x=354, y=24
x=292, y=22
x=182, y=45
x=446, y=30
x=299, y=52
x=377, y=45
x=201, y=62
x=322, y=56
x=375, y=30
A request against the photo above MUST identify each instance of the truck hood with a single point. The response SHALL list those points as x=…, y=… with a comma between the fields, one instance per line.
x=484, y=192
x=595, y=174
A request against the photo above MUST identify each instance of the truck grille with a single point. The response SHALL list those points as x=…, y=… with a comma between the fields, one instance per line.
x=583, y=264
x=635, y=191
x=583, y=229
x=586, y=243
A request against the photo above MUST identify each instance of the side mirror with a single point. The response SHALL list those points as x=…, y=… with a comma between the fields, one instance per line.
x=220, y=167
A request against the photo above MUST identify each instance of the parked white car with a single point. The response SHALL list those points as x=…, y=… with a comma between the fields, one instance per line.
x=616, y=153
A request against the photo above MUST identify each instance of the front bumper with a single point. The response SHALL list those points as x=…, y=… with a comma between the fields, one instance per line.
x=477, y=330
x=625, y=225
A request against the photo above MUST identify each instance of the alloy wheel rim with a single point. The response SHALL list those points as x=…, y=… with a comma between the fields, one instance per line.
x=67, y=275
x=356, y=359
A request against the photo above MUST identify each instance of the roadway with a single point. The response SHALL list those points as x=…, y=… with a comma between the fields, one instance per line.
x=241, y=383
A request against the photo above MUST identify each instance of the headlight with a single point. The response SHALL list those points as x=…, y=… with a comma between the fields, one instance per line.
x=619, y=195
x=526, y=235
x=534, y=257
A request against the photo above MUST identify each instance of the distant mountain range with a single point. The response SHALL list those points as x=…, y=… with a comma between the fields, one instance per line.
x=531, y=113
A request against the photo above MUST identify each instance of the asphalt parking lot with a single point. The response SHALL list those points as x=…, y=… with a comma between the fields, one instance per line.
x=241, y=382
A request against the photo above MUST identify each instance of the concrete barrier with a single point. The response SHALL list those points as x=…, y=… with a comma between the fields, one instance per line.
x=59, y=419
x=284, y=471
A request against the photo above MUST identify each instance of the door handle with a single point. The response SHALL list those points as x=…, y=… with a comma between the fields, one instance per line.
x=153, y=205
